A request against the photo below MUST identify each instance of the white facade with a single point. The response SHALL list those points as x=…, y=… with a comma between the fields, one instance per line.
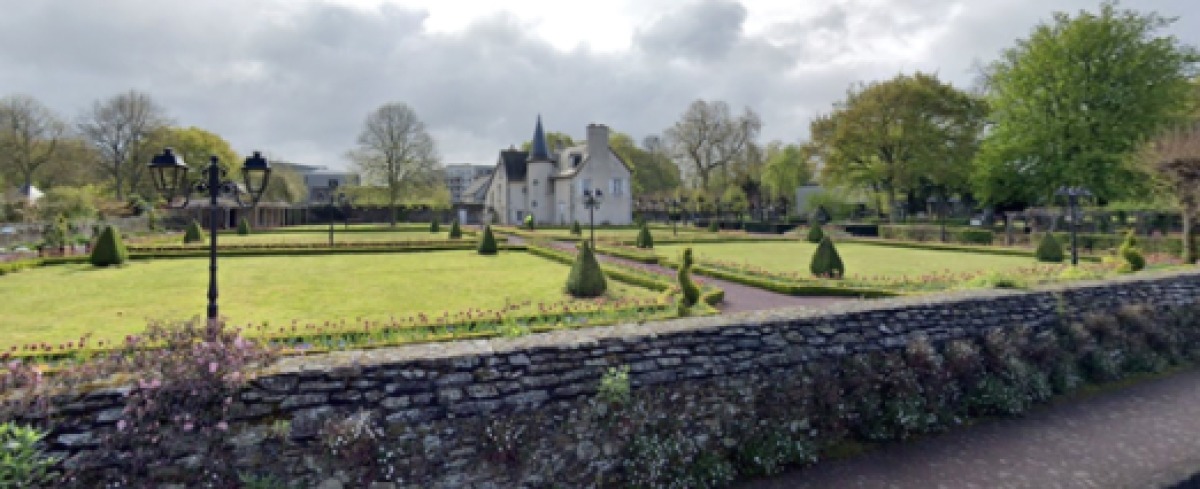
x=549, y=185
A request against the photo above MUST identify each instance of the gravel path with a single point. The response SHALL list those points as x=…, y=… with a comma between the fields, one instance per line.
x=1144, y=436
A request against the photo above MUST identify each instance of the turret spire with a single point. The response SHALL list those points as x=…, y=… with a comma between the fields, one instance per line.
x=539, y=150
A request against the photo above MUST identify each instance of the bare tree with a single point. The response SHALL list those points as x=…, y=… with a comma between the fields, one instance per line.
x=119, y=129
x=395, y=150
x=29, y=136
x=1174, y=160
x=708, y=137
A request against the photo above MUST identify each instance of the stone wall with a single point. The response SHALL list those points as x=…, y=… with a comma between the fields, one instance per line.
x=522, y=411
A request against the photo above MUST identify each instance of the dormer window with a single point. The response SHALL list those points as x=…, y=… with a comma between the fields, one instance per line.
x=535, y=182
x=576, y=159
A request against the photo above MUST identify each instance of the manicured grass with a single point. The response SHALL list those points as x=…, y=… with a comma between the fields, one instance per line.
x=861, y=260
x=305, y=237
x=60, y=303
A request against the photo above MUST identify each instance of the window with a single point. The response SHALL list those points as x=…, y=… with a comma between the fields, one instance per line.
x=618, y=187
x=535, y=182
x=585, y=184
x=576, y=158
x=533, y=204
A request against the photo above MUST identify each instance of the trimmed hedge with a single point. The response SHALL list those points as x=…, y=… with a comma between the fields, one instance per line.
x=576, y=229
x=1049, y=250
x=644, y=239
x=455, y=230
x=815, y=234
x=487, y=244
x=243, y=228
x=434, y=227
x=954, y=234
x=691, y=292
x=109, y=249
x=586, y=278
x=194, y=233
x=826, y=262
x=1131, y=256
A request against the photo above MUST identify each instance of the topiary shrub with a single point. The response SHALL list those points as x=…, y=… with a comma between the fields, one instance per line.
x=194, y=233
x=714, y=226
x=826, y=262
x=690, y=291
x=109, y=250
x=455, y=230
x=576, y=229
x=1049, y=250
x=644, y=239
x=243, y=227
x=434, y=227
x=487, y=244
x=1131, y=257
x=586, y=278
x=815, y=233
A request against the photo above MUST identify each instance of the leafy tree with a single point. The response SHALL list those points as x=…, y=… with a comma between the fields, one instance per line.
x=396, y=150
x=29, y=137
x=1173, y=160
x=110, y=249
x=119, y=128
x=1049, y=249
x=72, y=202
x=653, y=170
x=787, y=168
x=826, y=262
x=1073, y=101
x=708, y=138
x=898, y=136
x=487, y=243
x=197, y=146
x=734, y=200
x=586, y=278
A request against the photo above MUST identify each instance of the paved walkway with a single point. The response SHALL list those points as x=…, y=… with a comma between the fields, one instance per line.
x=1145, y=436
x=738, y=297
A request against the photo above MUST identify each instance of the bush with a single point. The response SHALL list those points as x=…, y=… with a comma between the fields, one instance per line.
x=688, y=288
x=487, y=244
x=110, y=249
x=455, y=230
x=576, y=229
x=644, y=239
x=714, y=226
x=1131, y=257
x=586, y=278
x=243, y=227
x=434, y=227
x=529, y=222
x=826, y=262
x=194, y=233
x=22, y=463
x=815, y=234
x=152, y=219
x=1049, y=250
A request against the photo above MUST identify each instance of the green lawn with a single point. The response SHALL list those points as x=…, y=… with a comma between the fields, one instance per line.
x=305, y=237
x=59, y=303
x=860, y=259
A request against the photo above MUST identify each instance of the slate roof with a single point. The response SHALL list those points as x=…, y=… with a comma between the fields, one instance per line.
x=513, y=162
x=473, y=191
x=539, y=151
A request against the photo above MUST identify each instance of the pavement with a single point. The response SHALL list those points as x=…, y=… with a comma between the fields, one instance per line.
x=1143, y=436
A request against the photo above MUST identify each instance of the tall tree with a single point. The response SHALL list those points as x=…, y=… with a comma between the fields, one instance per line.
x=653, y=171
x=196, y=145
x=1073, y=101
x=902, y=135
x=787, y=167
x=1173, y=159
x=708, y=138
x=29, y=137
x=119, y=129
x=395, y=150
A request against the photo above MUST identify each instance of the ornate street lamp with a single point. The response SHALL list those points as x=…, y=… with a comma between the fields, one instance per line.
x=1073, y=194
x=334, y=199
x=674, y=213
x=592, y=198
x=169, y=173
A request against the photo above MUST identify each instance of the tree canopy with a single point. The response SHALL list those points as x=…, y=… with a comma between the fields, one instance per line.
x=902, y=135
x=1073, y=101
x=708, y=138
x=395, y=150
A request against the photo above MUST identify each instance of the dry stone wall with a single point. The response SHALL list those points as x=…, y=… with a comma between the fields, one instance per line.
x=523, y=411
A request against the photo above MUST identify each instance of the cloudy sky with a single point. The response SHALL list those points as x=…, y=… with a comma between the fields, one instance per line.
x=296, y=78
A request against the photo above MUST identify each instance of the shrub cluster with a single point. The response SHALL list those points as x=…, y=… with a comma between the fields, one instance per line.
x=826, y=262
x=194, y=233
x=109, y=249
x=586, y=278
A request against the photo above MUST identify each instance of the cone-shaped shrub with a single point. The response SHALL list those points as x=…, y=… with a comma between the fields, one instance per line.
x=826, y=262
x=815, y=234
x=194, y=233
x=109, y=250
x=455, y=231
x=243, y=227
x=576, y=229
x=434, y=227
x=644, y=239
x=714, y=226
x=586, y=278
x=1131, y=257
x=688, y=288
x=487, y=244
x=1049, y=250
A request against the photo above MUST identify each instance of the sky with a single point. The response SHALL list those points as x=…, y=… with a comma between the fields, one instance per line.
x=297, y=78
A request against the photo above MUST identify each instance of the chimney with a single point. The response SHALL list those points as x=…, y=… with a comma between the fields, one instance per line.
x=597, y=140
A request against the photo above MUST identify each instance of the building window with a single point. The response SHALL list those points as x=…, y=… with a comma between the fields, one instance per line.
x=618, y=186
x=533, y=204
x=535, y=182
x=585, y=184
x=576, y=158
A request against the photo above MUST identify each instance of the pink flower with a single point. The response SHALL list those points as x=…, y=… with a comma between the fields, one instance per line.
x=223, y=426
x=121, y=425
x=212, y=367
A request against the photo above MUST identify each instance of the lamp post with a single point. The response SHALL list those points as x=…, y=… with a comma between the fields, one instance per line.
x=592, y=198
x=334, y=199
x=1073, y=194
x=674, y=213
x=169, y=173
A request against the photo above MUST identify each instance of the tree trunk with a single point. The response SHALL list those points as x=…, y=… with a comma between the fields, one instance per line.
x=893, y=206
x=1189, y=233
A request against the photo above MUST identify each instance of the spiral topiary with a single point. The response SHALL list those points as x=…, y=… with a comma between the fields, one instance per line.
x=586, y=278
x=690, y=291
x=1131, y=257
x=487, y=243
x=194, y=233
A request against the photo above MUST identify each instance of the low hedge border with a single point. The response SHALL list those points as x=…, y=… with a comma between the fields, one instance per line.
x=787, y=288
x=933, y=232
x=989, y=250
x=633, y=254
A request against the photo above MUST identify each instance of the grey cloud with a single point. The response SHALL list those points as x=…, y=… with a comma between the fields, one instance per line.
x=705, y=30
